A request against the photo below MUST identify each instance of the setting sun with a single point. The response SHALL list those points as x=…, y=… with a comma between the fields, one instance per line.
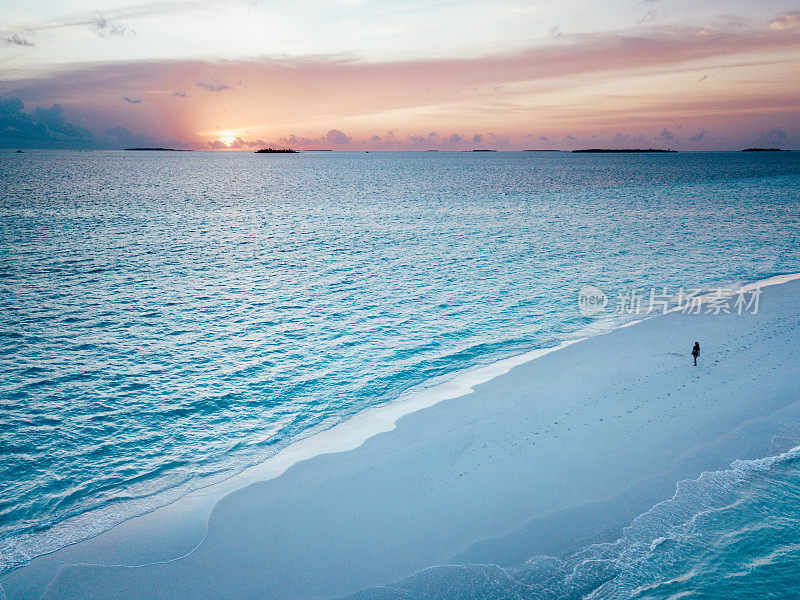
x=227, y=140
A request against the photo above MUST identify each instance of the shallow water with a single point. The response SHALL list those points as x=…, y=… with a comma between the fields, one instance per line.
x=729, y=534
x=169, y=319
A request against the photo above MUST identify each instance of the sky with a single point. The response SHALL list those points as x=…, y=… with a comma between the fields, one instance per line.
x=400, y=74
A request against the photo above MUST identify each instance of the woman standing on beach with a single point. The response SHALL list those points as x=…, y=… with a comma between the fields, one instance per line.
x=696, y=352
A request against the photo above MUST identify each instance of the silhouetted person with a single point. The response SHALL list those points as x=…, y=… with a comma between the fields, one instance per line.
x=696, y=352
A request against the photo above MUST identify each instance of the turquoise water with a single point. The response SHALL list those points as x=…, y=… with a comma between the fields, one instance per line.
x=169, y=319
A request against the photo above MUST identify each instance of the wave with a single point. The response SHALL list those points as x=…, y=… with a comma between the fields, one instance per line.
x=717, y=529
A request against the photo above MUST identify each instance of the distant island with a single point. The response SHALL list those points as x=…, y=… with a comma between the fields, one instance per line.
x=623, y=150
x=276, y=151
x=764, y=150
x=156, y=150
x=484, y=150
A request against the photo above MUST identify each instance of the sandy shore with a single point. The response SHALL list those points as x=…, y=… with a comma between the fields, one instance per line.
x=559, y=452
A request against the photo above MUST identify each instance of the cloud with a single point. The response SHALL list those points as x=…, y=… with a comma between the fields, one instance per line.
x=621, y=138
x=652, y=11
x=666, y=134
x=179, y=94
x=388, y=141
x=421, y=141
x=413, y=96
x=294, y=141
x=47, y=127
x=14, y=39
x=626, y=139
x=334, y=136
x=213, y=85
x=105, y=24
x=130, y=100
x=40, y=128
x=105, y=28
x=788, y=21
x=120, y=137
x=237, y=144
x=699, y=136
x=394, y=85
x=432, y=140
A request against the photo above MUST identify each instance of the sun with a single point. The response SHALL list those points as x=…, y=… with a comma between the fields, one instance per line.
x=227, y=140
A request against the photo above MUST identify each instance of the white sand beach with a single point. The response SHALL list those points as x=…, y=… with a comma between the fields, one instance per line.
x=559, y=452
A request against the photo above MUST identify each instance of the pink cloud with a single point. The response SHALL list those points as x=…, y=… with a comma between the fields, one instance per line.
x=788, y=21
x=313, y=101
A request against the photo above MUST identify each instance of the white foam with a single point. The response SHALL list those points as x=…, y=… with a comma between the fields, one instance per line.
x=353, y=432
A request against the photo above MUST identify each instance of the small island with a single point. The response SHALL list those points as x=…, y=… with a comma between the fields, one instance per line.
x=155, y=150
x=276, y=151
x=764, y=150
x=594, y=150
x=484, y=150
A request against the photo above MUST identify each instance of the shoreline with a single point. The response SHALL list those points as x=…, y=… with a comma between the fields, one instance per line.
x=358, y=427
x=374, y=420
x=349, y=435
x=192, y=509
x=362, y=425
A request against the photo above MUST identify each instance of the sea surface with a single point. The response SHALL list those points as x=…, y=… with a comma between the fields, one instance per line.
x=169, y=319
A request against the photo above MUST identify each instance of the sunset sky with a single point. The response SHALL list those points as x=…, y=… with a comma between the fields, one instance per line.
x=400, y=74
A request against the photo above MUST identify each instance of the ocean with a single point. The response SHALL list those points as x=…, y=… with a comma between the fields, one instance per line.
x=169, y=319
